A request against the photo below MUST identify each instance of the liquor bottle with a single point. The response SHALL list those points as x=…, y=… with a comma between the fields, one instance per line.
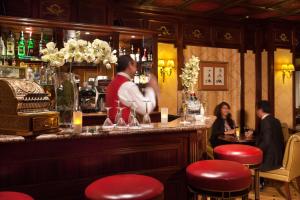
x=43, y=75
x=21, y=46
x=37, y=76
x=30, y=45
x=10, y=45
x=132, y=55
x=136, y=78
x=2, y=48
x=137, y=55
x=120, y=51
x=42, y=43
x=144, y=58
x=14, y=63
x=110, y=41
x=29, y=74
x=150, y=57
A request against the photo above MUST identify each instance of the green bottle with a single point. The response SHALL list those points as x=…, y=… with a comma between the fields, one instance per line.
x=10, y=45
x=21, y=46
x=30, y=46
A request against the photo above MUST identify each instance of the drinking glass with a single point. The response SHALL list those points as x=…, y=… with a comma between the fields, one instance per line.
x=120, y=122
x=107, y=123
x=184, y=120
x=146, y=119
x=133, y=122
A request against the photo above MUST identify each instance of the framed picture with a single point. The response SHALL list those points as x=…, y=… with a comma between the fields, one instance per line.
x=213, y=76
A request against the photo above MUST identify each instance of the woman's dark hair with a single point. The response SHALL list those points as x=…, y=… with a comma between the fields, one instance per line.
x=264, y=105
x=123, y=63
x=218, y=113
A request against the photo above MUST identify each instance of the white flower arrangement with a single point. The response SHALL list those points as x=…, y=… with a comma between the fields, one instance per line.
x=79, y=51
x=190, y=73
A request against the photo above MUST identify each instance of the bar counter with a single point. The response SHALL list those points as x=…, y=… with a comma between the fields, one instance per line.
x=60, y=166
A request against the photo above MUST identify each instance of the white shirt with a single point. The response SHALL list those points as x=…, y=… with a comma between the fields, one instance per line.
x=265, y=115
x=129, y=92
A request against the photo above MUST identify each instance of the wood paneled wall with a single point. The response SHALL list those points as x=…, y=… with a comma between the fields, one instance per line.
x=180, y=29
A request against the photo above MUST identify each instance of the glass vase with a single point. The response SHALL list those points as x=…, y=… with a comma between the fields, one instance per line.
x=66, y=97
x=193, y=104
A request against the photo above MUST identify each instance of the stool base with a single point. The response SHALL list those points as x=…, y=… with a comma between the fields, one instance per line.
x=218, y=195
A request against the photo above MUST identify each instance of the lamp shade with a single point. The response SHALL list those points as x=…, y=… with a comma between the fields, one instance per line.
x=284, y=67
x=170, y=64
x=161, y=63
x=291, y=67
x=287, y=67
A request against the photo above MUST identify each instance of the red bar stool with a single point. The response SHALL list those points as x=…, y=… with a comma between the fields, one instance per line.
x=244, y=154
x=125, y=186
x=219, y=178
x=8, y=195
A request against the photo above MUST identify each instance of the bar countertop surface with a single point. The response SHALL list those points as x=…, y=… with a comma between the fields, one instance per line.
x=97, y=131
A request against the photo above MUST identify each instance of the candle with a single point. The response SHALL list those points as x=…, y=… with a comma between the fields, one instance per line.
x=237, y=132
x=164, y=115
x=77, y=121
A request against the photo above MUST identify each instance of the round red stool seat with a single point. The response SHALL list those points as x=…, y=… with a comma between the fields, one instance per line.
x=245, y=154
x=7, y=195
x=218, y=176
x=125, y=186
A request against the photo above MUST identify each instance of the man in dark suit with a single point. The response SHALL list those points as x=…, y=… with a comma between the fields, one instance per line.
x=270, y=138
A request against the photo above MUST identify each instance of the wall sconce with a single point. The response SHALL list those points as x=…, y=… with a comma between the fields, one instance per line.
x=287, y=70
x=166, y=68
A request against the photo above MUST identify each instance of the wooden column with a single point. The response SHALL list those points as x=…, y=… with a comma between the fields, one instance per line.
x=258, y=79
x=155, y=54
x=180, y=56
x=258, y=69
x=242, y=96
x=271, y=82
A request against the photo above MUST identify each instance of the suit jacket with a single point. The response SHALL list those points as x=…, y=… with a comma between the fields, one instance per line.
x=270, y=140
x=218, y=128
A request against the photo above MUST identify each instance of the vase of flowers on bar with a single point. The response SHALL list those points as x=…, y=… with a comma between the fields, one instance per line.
x=74, y=51
x=189, y=77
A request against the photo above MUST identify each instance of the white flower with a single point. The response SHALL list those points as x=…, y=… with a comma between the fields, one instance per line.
x=78, y=57
x=190, y=73
x=89, y=57
x=50, y=46
x=45, y=58
x=97, y=52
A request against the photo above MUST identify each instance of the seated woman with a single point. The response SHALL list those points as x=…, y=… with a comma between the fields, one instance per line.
x=222, y=125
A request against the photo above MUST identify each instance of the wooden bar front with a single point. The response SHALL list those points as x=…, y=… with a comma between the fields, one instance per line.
x=60, y=167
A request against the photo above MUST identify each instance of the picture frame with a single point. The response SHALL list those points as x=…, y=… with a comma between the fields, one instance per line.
x=213, y=76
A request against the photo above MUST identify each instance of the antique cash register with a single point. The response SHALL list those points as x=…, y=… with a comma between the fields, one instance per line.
x=24, y=109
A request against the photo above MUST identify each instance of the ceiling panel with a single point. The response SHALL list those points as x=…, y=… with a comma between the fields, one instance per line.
x=168, y=3
x=258, y=9
x=204, y=6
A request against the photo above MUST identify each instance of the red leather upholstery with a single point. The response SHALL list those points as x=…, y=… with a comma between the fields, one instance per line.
x=218, y=176
x=7, y=195
x=245, y=154
x=125, y=186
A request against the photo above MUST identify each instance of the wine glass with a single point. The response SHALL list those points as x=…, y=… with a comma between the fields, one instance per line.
x=146, y=118
x=120, y=122
x=107, y=123
x=118, y=113
x=133, y=121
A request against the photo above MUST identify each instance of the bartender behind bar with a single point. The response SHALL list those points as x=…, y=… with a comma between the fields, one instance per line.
x=124, y=90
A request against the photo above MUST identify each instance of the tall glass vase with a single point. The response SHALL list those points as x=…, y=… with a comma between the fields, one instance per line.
x=66, y=93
